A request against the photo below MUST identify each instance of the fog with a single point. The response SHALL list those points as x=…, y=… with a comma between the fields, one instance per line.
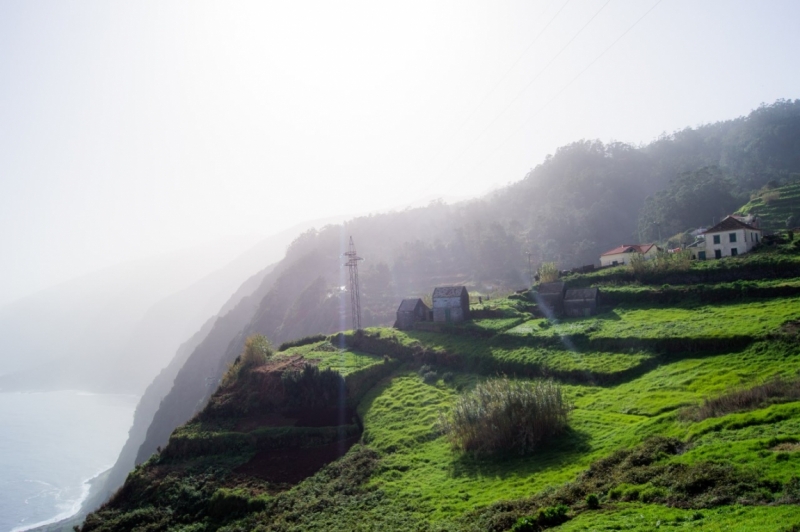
x=131, y=130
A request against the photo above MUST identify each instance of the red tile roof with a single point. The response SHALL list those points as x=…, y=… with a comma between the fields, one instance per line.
x=629, y=248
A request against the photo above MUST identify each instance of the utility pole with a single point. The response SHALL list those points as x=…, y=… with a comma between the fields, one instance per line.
x=355, y=297
x=530, y=267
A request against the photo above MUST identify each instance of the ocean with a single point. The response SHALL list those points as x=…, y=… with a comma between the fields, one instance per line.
x=51, y=445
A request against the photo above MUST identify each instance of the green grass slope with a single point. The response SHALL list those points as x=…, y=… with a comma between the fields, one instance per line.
x=774, y=205
x=637, y=455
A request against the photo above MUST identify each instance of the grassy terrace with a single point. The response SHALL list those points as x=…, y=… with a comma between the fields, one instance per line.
x=400, y=421
x=750, y=318
x=775, y=205
x=736, y=471
x=345, y=361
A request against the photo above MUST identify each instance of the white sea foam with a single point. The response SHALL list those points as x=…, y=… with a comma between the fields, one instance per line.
x=55, y=445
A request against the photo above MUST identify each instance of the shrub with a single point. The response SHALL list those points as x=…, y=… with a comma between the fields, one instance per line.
x=312, y=387
x=502, y=415
x=548, y=272
x=546, y=518
x=660, y=264
x=430, y=377
x=257, y=350
x=592, y=501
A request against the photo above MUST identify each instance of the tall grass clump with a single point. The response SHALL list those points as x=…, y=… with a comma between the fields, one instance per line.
x=502, y=415
x=661, y=263
x=257, y=350
x=548, y=272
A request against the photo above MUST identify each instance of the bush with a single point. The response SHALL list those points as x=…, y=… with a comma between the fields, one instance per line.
x=430, y=377
x=592, y=501
x=546, y=518
x=257, y=350
x=548, y=272
x=313, y=388
x=502, y=415
x=661, y=263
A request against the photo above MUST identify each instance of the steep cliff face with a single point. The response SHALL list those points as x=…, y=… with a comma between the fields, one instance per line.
x=267, y=312
x=197, y=378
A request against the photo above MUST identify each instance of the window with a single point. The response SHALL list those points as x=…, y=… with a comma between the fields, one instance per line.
x=734, y=252
x=716, y=239
x=701, y=255
x=756, y=237
x=717, y=253
x=732, y=236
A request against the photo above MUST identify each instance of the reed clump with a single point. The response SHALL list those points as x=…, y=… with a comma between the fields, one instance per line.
x=506, y=416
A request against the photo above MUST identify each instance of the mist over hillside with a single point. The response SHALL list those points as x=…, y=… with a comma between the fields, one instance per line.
x=114, y=330
x=584, y=199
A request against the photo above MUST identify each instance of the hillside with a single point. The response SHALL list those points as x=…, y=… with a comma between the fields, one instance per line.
x=686, y=409
x=584, y=199
x=774, y=205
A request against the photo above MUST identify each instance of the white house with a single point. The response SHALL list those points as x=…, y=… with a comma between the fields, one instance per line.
x=728, y=238
x=622, y=254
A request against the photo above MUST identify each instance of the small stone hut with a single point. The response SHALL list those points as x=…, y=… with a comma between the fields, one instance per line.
x=450, y=303
x=550, y=298
x=411, y=311
x=581, y=302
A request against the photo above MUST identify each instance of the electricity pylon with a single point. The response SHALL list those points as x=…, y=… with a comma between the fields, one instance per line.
x=355, y=296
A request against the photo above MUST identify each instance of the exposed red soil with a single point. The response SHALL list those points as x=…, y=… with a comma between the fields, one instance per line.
x=290, y=466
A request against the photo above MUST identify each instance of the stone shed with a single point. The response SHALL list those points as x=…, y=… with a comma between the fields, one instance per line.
x=581, y=302
x=411, y=311
x=550, y=298
x=450, y=303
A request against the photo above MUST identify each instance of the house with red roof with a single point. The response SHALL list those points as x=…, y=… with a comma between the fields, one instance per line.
x=729, y=238
x=622, y=254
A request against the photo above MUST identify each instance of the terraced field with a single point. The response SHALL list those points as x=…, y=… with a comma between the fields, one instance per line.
x=636, y=456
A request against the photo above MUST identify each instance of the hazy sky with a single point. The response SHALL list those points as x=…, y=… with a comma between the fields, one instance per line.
x=132, y=128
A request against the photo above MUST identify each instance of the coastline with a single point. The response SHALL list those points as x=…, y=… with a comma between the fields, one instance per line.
x=74, y=515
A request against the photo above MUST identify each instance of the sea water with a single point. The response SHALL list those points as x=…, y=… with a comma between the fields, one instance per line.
x=52, y=444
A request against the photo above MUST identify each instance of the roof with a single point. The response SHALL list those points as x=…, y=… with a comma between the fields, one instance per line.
x=581, y=293
x=629, y=248
x=730, y=224
x=449, y=291
x=409, y=305
x=555, y=287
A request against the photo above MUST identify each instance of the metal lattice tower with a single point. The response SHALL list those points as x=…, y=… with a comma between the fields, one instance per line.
x=355, y=296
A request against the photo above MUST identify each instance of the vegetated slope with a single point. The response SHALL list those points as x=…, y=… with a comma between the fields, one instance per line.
x=574, y=205
x=776, y=206
x=639, y=452
x=570, y=208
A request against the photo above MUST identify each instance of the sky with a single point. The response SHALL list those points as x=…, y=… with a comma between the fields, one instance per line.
x=133, y=129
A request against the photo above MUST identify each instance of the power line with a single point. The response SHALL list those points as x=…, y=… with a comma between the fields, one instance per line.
x=500, y=80
x=565, y=87
x=440, y=174
x=536, y=77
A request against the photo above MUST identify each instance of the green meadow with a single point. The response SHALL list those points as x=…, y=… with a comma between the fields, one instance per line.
x=632, y=458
